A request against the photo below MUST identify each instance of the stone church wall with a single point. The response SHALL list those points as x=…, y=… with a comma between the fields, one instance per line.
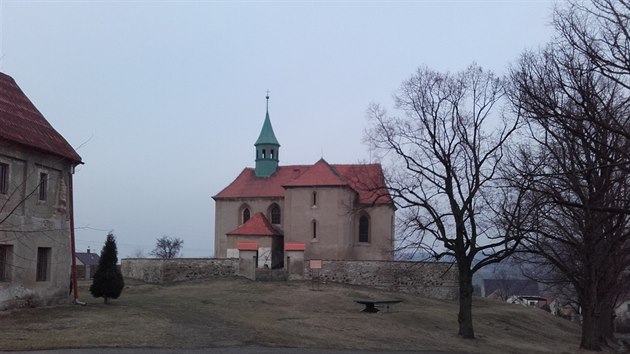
x=434, y=280
x=428, y=279
x=173, y=270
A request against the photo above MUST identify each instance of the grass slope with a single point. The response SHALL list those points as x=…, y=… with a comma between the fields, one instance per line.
x=236, y=312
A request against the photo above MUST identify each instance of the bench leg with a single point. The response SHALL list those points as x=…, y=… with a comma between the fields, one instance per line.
x=370, y=308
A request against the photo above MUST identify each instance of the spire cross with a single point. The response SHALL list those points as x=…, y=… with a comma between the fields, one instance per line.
x=267, y=100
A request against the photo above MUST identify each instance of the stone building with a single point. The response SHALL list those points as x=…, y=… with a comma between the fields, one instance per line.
x=339, y=212
x=36, y=168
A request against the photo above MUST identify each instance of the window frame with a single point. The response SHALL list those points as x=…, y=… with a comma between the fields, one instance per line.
x=42, y=271
x=364, y=228
x=4, y=178
x=5, y=262
x=245, y=219
x=43, y=186
x=275, y=212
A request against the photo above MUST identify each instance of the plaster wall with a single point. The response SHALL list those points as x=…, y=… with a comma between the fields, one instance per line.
x=336, y=216
x=33, y=224
x=228, y=216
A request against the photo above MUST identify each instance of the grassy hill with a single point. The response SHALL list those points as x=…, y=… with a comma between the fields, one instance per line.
x=226, y=313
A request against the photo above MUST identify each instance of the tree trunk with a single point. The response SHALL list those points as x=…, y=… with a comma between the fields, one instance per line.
x=590, y=328
x=606, y=318
x=465, y=304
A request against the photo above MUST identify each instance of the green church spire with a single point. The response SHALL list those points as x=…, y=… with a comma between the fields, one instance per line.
x=266, y=134
x=267, y=148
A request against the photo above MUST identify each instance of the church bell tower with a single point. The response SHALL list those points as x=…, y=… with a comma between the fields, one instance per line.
x=267, y=148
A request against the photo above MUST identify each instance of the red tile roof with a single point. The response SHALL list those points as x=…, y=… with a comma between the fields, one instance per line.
x=366, y=179
x=22, y=123
x=257, y=225
x=247, y=246
x=320, y=174
x=294, y=246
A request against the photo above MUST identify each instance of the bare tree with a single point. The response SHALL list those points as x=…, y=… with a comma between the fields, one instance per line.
x=167, y=247
x=573, y=174
x=444, y=162
x=600, y=32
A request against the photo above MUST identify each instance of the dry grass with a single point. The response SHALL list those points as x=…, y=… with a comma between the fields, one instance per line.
x=236, y=312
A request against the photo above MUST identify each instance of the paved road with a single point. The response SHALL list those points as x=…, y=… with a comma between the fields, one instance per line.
x=244, y=350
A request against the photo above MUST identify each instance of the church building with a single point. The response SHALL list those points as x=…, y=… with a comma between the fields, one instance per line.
x=332, y=212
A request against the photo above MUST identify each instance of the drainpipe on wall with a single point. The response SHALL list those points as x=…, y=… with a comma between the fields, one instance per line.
x=75, y=290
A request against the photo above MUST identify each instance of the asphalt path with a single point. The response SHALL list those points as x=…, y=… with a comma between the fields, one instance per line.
x=243, y=350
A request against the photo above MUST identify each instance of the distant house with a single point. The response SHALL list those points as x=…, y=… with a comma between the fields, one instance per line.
x=87, y=262
x=527, y=300
x=623, y=308
x=36, y=168
x=504, y=289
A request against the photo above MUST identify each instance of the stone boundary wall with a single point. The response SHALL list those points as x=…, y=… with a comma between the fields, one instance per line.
x=152, y=270
x=429, y=279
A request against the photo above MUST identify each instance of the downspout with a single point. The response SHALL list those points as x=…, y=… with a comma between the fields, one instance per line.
x=75, y=290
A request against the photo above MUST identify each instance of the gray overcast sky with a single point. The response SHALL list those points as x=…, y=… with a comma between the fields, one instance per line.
x=167, y=97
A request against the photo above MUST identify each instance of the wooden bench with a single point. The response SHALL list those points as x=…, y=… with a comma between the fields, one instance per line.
x=371, y=305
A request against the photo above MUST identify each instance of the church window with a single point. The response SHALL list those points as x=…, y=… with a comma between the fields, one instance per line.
x=264, y=153
x=245, y=215
x=314, y=198
x=314, y=223
x=364, y=229
x=275, y=214
x=271, y=154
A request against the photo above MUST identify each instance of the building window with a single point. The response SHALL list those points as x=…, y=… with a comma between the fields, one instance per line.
x=275, y=214
x=364, y=229
x=4, y=178
x=43, y=263
x=314, y=223
x=264, y=154
x=5, y=252
x=245, y=215
x=271, y=154
x=43, y=186
x=314, y=198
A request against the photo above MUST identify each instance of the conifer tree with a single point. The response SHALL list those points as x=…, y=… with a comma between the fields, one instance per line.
x=108, y=280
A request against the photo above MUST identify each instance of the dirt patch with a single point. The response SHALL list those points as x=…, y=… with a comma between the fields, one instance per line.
x=226, y=313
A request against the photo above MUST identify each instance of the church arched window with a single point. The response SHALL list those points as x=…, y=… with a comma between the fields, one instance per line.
x=314, y=198
x=275, y=214
x=246, y=215
x=314, y=225
x=364, y=228
x=264, y=154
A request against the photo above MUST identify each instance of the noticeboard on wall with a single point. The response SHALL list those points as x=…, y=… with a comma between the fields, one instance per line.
x=315, y=264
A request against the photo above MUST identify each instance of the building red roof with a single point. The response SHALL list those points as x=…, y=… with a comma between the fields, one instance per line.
x=247, y=246
x=257, y=225
x=320, y=174
x=294, y=246
x=22, y=123
x=365, y=179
